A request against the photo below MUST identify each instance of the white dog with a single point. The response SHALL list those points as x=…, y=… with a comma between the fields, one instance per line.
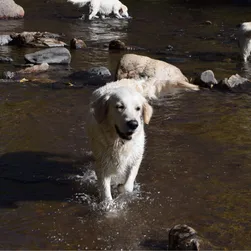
x=244, y=40
x=116, y=133
x=142, y=67
x=104, y=8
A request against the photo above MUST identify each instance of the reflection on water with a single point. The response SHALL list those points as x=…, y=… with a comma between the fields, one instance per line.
x=196, y=168
x=8, y=26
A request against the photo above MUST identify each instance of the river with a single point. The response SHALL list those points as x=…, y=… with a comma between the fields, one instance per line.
x=197, y=165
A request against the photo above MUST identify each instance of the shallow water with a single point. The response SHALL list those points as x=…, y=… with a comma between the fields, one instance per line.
x=197, y=166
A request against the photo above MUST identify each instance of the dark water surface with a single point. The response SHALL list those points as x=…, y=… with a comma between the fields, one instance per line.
x=197, y=166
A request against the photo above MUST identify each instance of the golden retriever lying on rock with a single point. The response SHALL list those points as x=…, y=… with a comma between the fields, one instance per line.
x=142, y=67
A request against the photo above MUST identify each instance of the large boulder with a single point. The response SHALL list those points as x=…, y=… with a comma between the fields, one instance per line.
x=9, y=9
x=96, y=76
x=57, y=55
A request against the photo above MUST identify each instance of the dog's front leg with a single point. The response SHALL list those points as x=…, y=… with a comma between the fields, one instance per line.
x=131, y=176
x=95, y=6
x=104, y=182
x=105, y=188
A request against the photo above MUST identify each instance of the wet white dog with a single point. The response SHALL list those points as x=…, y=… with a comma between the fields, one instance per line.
x=244, y=40
x=116, y=133
x=104, y=8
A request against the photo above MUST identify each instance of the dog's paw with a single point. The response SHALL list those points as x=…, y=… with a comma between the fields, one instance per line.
x=125, y=188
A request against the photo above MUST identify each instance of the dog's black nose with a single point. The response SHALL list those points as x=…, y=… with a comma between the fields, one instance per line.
x=132, y=124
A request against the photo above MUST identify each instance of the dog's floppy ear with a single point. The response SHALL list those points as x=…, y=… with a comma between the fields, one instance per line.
x=147, y=112
x=100, y=108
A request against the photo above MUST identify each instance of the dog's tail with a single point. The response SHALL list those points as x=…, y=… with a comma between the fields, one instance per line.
x=80, y=3
x=187, y=85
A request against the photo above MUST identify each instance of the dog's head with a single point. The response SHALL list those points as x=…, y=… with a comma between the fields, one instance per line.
x=124, y=110
x=124, y=11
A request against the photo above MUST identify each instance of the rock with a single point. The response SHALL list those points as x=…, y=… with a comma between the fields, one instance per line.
x=34, y=69
x=99, y=71
x=36, y=39
x=9, y=9
x=206, y=79
x=9, y=75
x=77, y=44
x=169, y=48
x=117, y=45
x=95, y=76
x=5, y=39
x=235, y=83
x=47, y=42
x=50, y=56
x=183, y=237
x=5, y=60
x=208, y=22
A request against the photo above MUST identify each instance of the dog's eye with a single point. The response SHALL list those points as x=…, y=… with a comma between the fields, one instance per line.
x=120, y=107
x=137, y=108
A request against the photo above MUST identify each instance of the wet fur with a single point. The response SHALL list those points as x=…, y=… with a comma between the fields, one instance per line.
x=244, y=40
x=133, y=66
x=104, y=8
x=117, y=159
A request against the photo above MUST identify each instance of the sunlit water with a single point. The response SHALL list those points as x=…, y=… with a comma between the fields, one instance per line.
x=196, y=169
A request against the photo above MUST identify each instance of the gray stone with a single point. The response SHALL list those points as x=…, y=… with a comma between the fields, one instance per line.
x=96, y=76
x=5, y=39
x=99, y=71
x=9, y=9
x=235, y=83
x=55, y=55
x=206, y=79
x=5, y=60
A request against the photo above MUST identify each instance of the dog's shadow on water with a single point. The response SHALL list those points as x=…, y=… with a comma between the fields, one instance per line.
x=36, y=176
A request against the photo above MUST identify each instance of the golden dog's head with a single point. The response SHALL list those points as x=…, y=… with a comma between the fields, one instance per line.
x=123, y=110
x=124, y=11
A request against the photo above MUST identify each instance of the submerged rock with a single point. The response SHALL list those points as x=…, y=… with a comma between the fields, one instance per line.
x=183, y=237
x=208, y=22
x=9, y=9
x=77, y=43
x=118, y=45
x=50, y=56
x=5, y=60
x=99, y=71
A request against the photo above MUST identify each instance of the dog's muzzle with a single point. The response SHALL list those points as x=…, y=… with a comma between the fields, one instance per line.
x=132, y=126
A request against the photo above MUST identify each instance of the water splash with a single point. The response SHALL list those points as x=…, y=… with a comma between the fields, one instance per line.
x=110, y=209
